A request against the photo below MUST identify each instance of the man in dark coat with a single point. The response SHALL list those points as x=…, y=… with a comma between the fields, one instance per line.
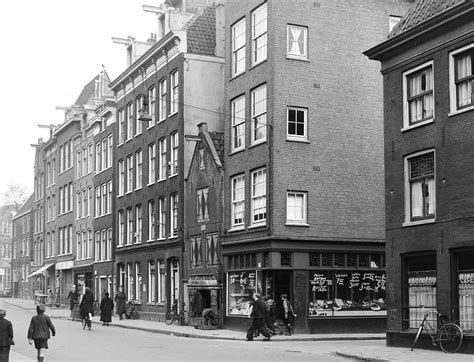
x=120, y=300
x=258, y=322
x=87, y=303
x=106, y=307
x=6, y=337
x=39, y=331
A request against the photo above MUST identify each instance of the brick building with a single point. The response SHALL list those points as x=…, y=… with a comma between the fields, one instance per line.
x=6, y=233
x=176, y=82
x=304, y=160
x=428, y=80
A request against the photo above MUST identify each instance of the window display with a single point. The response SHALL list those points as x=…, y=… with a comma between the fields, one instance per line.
x=240, y=284
x=344, y=293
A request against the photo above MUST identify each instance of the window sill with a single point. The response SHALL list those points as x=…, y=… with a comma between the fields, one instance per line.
x=120, y=144
x=416, y=125
x=257, y=64
x=172, y=114
x=126, y=141
x=296, y=57
x=419, y=222
x=119, y=196
x=236, y=151
x=172, y=237
x=288, y=223
x=138, y=188
x=129, y=192
x=260, y=225
x=161, y=180
x=138, y=134
x=235, y=76
x=298, y=140
x=258, y=143
x=161, y=121
x=462, y=110
x=161, y=239
x=150, y=240
x=152, y=125
x=151, y=183
x=174, y=175
x=235, y=229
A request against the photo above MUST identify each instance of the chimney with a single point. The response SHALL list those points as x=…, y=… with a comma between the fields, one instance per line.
x=202, y=127
x=40, y=140
x=220, y=29
x=151, y=40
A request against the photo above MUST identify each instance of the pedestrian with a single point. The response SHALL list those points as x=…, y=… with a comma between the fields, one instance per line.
x=87, y=306
x=120, y=300
x=258, y=321
x=72, y=297
x=270, y=315
x=289, y=314
x=106, y=307
x=39, y=331
x=6, y=336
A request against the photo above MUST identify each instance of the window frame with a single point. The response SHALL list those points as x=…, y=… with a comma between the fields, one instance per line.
x=152, y=100
x=255, y=197
x=138, y=169
x=238, y=121
x=162, y=100
x=174, y=89
x=151, y=163
x=296, y=137
x=130, y=119
x=303, y=206
x=256, y=117
x=237, y=48
x=237, y=202
x=453, y=90
x=255, y=60
x=291, y=55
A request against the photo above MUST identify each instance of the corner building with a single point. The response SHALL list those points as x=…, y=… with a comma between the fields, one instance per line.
x=427, y=67
x=304, y=161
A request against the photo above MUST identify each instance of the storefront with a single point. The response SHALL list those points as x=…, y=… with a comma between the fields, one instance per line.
x=204, y=297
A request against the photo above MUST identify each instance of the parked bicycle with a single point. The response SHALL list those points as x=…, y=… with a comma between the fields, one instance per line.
x=130, y=311
x=448, y=336
x=175, y=313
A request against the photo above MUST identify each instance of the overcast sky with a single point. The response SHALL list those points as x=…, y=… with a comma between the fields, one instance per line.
x=50, y=50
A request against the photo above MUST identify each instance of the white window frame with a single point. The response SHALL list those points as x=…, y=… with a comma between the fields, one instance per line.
x=121, y=126
x=138, y=224
x=409, y=221
x=139, y=170
x=259, y=112
x=162, y=86
x=173, y=166
x=292, y=196
x=162, y=161
x=121, y=177
x=151, y=298
x=109, y=197
x=238, y=33
x=130, y=118
x=151, y=220
x=258, y=16
x=121, y=228
x=174, y=206
x=162, y=218
x=151, y=163
x=138, y=109
x=152, y=105
x=453, y=94
x=130, y=174
x=174, y=102
x=161, y=275
x=291, y=53
x=109, y=244
x=297, y=137
x=258, y=196
x=407, y=125
x=130, y=231
x=238, y=200
x=238, y=124
x=110, y=148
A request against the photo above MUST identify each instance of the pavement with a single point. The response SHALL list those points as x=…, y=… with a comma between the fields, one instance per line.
x=360, y=351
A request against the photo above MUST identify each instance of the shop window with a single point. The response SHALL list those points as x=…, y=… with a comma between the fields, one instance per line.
x=240, y=286
x=421, y=284
x=266, y=259
x=339, y=259
x=364, y=261
x=236, y=262
x=285, y=258
x=465, y=285
x=326, y=259
x=351, y=260
x=315, y=259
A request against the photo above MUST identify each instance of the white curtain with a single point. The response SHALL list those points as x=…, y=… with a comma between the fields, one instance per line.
x=464, y=69
x=421, y=107
x=417, y=198
x=466, y=301
x=421, y=294
x=296, y=41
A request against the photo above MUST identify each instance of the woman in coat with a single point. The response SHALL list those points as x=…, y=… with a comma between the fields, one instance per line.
x=87, y=303
x=39, y=331
x=120, y=300
x=106, y=307
x=6, y=336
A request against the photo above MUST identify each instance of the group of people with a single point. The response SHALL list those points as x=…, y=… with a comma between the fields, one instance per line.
x=264, y=316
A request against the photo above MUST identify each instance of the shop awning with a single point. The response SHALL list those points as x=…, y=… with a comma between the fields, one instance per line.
x=40, y=270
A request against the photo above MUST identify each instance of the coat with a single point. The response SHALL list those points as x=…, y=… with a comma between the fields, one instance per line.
x=106, y=307
x=6, y=333
x=258, y=309
x=39, y=327
x=87, y=304
x=120, y=300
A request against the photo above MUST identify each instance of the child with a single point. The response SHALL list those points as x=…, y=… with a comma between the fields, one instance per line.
x=39, y=331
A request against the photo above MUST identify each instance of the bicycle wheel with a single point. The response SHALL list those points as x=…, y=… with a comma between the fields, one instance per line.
x=450, y=337
x=170, y=317
x=420, y=329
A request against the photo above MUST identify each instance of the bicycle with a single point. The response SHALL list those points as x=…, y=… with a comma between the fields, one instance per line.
x=448, y=336
x=175, y=313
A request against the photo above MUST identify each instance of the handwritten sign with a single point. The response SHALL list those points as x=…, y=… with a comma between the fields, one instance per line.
x=319, y=283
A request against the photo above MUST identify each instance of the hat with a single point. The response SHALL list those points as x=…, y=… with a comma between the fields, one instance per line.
x=3, y=313
x=284, y=296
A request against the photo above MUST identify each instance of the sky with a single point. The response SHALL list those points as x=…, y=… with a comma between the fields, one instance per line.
x=50, y=50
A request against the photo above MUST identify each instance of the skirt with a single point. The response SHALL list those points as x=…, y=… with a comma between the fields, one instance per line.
x=41, y=343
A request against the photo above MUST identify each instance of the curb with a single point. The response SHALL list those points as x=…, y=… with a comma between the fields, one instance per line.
x=360, y=358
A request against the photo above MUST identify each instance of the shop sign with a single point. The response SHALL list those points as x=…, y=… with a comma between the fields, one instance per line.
x=202, y=280
x=61, y=265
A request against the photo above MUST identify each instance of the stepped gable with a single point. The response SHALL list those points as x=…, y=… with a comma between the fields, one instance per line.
x=201, y=32
x=422, y=11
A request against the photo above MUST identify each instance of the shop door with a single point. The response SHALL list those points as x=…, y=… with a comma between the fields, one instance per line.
x=282, y=281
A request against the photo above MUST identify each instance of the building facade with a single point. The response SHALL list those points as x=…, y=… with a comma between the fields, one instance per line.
x=304, y=161
x=176, y=83
x=429, y=104
x=6, y=234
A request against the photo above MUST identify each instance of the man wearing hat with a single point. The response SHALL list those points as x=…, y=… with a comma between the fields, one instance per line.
x=6, y=336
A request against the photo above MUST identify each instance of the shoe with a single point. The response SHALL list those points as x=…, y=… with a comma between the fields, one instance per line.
x=250, y=340
x=103, y=324
x=266, y=339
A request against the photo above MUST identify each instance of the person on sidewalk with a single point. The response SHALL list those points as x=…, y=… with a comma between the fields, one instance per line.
x=106, y=308
x=38, y=331
x=6, y=337
x=73, y=298
x=120, y=300
x=289, y=315
x=258, y=322
x=87, y=306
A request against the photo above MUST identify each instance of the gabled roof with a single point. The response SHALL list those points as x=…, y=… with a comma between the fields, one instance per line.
x=201, y=32
x=88, y=91
x=26, y=207
x=422, y=11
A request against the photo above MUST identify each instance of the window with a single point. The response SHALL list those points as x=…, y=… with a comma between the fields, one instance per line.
x=138, y=108
x=162, y=165
x=285, y=258
x=109, y=197
x=174, y=215
x=78, y=166
x=78, y=206
x=98, y=157
x=139, y=170
x=461, y=78
x=85, y=167
x=121, y=180
x=121, y=231
x=151, y=163
x=108, y=254
x=162, y=99
x=465, y=284
x=110, y=152
x=151, y=220
x=138, y=283
x=138, y=224
x=238, y=123
x=121, y=126
x=238, y=47
x=297, y=41
x=161, y=281
x=296, y=207
x=130, y=173
x=297, y=121
x=103, y=245
x=418, y=95
x=259, y=114
x=151, y=282
x=162, y=216
x=420, y=191
x=238, y=200
x=89, y=196
x=129, y=226
x=202, y=204
x=174, y=154
x=259, y=196
x=152, y=105
x=130, y=117
x=174, y=92
x=105, y=157
x=90, y=160
x=97, y=246
x=196, y=252
x=259, y=34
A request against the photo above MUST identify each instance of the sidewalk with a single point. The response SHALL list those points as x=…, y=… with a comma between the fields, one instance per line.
x=361, y=352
